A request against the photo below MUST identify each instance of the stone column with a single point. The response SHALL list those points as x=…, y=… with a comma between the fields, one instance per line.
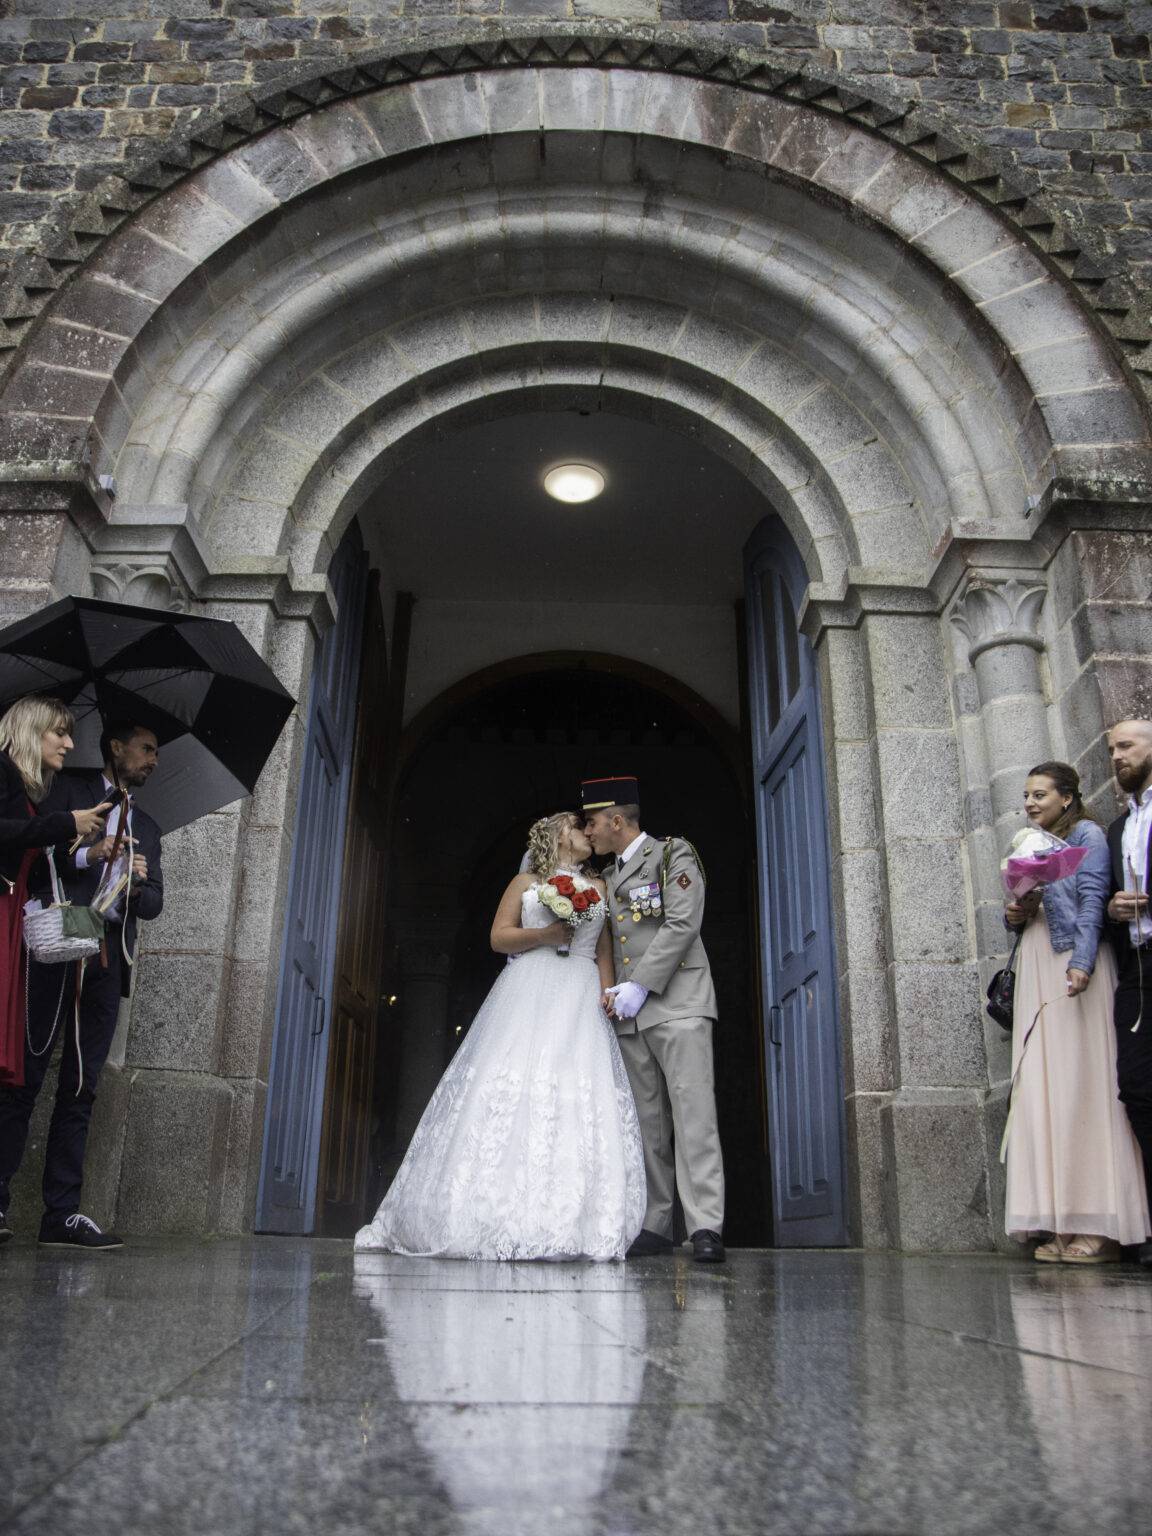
x=997, y=618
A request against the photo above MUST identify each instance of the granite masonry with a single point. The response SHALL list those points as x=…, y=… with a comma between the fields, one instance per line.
x=889, y=260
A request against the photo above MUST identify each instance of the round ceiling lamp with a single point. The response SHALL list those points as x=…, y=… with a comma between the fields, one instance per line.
x=573, y=482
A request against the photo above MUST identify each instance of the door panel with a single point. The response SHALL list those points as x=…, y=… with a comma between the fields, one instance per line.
x=348, y=1111
x=798, y=975
x=286, y=1201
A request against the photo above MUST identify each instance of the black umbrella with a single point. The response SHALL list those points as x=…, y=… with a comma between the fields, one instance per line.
x=215, y=706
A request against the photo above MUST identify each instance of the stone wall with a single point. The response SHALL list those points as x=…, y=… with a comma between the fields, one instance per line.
x=1052, y=94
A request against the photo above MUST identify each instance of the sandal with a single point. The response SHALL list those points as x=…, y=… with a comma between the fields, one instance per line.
x=1086, y=1249
x=1051, y=1252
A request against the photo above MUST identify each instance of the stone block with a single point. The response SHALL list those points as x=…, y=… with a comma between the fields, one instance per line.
x=249, y=1016
x=199, y=871
x=266, y=854
x=175, y=1152
x=452, y=106
x=929, y=901
x=870, y=1180
x=176, y=1011
x=939, y=1011
x=195, y=225
x=856, y=795
x=279, y=163
x=935, y=1143
x=512, y=98
x=340, y=137
x=240, y=1180
x=918, y=770
x=869, y=1031
x=861, y=878
x=844, y=666
x=909, y=677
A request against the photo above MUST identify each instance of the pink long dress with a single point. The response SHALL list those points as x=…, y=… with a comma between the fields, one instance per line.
x=1073, y=1164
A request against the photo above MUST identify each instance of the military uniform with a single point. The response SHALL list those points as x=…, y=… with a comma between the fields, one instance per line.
x=655, y=907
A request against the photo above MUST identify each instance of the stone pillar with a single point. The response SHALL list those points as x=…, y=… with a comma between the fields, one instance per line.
x=997, y=618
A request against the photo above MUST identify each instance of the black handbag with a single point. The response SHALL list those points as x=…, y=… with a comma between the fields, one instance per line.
x=1002, y=990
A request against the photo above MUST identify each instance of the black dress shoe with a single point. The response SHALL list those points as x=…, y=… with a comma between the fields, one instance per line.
x=5, y=1229
x=1143, y=1255
x=76, y=1231
x=707, y=1247
x=647, y=1244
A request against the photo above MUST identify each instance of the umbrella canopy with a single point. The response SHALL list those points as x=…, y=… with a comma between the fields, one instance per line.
x=216, y=707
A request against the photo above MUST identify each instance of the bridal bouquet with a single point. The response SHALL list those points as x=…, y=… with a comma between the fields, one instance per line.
x=1036, y=858
x=571, y=898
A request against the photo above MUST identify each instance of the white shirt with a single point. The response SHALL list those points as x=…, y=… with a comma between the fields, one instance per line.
x=632, y=848
x=1134, y=847
x=115, y=912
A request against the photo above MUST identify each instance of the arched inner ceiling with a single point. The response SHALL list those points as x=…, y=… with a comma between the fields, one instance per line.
x=881, y=383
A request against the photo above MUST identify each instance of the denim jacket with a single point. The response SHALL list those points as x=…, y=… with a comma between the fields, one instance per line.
x=1075, y=907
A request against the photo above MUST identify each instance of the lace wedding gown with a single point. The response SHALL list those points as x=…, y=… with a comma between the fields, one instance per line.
x=530, y=1147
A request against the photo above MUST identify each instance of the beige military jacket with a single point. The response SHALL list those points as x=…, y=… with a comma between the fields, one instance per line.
x=655, y=923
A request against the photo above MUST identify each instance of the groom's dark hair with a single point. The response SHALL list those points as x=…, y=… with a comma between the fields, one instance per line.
x=630, y=813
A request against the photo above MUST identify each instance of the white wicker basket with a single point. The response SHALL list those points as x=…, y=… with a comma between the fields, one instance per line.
x=46, y=933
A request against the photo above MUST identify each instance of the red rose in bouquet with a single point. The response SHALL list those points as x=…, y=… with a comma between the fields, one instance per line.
x=580, y=901
x=593, y=896
x=564, y=884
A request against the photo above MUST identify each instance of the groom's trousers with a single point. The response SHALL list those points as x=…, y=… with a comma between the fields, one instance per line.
x=670, y=1069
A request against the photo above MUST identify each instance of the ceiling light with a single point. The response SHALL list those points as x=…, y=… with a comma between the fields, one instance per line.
x=573, y=482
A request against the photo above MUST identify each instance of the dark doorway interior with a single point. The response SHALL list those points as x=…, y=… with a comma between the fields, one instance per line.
x=513, y=748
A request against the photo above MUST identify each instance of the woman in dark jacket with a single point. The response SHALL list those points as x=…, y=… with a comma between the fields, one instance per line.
x=35, y=738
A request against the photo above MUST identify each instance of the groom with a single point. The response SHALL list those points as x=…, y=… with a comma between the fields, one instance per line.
x=664, y=1007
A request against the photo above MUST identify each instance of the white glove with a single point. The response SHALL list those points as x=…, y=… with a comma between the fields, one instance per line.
x=627, y=999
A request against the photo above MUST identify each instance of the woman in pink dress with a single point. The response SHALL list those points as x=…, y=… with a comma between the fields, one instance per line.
x=1073, y=1166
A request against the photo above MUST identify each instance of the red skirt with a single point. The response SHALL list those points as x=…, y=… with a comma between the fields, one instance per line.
x=13, y=973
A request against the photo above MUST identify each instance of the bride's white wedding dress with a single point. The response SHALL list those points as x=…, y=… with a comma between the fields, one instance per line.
x=530, y=1147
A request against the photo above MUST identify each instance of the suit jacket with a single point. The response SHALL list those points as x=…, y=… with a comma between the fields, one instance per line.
x=1118, y=932
x=78, y=791
x=18, y=829
x=661, y=948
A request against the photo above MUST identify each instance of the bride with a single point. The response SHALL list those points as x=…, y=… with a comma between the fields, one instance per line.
x=530, y=1147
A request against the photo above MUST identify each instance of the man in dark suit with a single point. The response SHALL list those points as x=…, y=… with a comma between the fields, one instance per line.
x=1130, y=843
x=124, y=864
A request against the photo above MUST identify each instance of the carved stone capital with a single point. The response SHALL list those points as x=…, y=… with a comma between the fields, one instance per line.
x=153, y=583
x=992, y=611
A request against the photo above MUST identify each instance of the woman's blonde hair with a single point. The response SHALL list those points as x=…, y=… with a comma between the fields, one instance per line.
x=21, y=730
x=544, y=841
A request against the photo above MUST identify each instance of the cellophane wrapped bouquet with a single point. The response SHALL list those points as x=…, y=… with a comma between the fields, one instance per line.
x=1036, y=858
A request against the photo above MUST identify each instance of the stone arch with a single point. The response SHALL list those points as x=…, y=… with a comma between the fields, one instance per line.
x=84, y=221
x=248, y=304
x=958, y=335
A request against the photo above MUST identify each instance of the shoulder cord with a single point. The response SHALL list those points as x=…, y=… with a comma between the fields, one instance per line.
x=666, y=860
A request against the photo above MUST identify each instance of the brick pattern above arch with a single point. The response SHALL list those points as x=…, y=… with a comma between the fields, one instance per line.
x=84, y=223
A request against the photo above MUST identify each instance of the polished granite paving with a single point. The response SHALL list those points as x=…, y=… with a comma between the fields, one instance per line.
x=281, y=1385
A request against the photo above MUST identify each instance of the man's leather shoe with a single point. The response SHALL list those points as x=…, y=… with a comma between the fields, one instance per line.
x=707, y=1247
x=648, y=1244
x=5, y=1229
x=1143, y=1255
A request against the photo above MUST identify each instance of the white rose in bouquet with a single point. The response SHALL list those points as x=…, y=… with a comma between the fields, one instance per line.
x=562, y=907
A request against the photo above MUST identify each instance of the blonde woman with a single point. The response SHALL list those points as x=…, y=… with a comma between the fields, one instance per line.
x=35, y=738
x=530, y=1146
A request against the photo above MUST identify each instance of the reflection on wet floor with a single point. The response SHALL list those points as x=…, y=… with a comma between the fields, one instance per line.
x=283, y=1384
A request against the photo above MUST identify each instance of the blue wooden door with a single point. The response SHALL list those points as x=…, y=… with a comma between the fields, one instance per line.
x=802, y=1041
x=287, y=1198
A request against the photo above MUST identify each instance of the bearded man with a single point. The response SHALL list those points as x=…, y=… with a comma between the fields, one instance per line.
x=1130, y=841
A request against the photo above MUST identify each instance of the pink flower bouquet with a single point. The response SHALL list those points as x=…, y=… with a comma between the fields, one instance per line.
x=1036, y=858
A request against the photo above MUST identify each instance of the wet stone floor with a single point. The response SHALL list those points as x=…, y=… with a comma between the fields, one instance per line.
x=281, y=1385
